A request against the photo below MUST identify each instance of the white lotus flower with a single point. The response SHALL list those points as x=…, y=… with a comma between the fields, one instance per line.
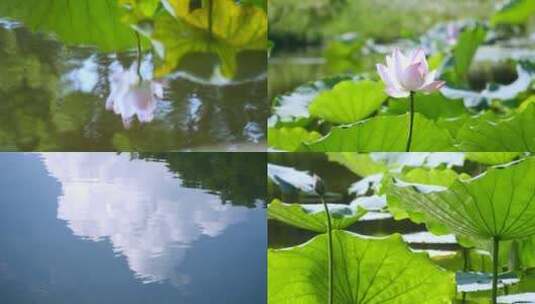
x=130, y=96
x=405, y=74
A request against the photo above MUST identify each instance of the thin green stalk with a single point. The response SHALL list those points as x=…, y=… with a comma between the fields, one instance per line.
x=330, y=249
x=495, y=257
x=466, y=256
x=411, y=121
x=139, y=55
x=210, y=16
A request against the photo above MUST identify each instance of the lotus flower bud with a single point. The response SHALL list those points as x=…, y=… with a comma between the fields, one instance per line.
x=319, y=186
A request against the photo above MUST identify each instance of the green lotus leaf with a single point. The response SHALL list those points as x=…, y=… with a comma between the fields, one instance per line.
x=492, y=158
x=498, y=204
x=384, y=133
x=463, y=53
x=260, y=3
x=514, y=12
x=343, y=53
x=374, y=163
x=235, y=28
x=289, y=139
x=430, y=176
x=465, y=50
x=312, y=216
x=518, y=254
x=360, y=164
x=366, y=270
x=82, y=22
x=174, y=39
x=349, y=101
x=139, y=10
x=292, y=108
x=488, y=132
x=239, y=26
x=432, y=106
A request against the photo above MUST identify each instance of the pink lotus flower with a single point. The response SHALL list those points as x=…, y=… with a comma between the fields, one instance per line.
x=405, y=74
x=130, y=96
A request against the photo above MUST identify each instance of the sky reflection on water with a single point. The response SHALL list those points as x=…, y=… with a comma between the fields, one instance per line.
x=124, y=227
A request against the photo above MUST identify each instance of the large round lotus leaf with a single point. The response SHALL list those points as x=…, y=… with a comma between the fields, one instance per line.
x=290, y=139
x=498, y=203
x=349, y=101
x=312, y=216
x=81, y=22
x=240, y=26
x=512, y=133
x=366, y=270
x=385, y=134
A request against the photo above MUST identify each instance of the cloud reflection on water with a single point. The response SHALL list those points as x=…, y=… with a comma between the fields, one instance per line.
x=140, y=207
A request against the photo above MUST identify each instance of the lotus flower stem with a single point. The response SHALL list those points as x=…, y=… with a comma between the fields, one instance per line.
x=139, y=54
x=496, y=262
x=330, y=249
x=210, y=16
x=411, y=121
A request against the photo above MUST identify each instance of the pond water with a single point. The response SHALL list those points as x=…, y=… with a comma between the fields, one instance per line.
x=444, y=250
x=53, y=97
x=107, y=228
x=292, y=67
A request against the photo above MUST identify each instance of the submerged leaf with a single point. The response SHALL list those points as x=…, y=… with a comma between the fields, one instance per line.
x=366, y=270
x=385, y=133
x=499, y=203
x=312, y=216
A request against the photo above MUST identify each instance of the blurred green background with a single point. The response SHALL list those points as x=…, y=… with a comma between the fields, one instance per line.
x=313, y=20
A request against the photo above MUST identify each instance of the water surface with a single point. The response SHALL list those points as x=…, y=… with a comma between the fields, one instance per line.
x=53, y=98
x=107, y=228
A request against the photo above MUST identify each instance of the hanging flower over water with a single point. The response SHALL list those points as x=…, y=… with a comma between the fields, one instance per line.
x=131, y=96
x=405, y=74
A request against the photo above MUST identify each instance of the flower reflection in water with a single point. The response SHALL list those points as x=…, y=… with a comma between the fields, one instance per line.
x=132, y=96
x=141, y=208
